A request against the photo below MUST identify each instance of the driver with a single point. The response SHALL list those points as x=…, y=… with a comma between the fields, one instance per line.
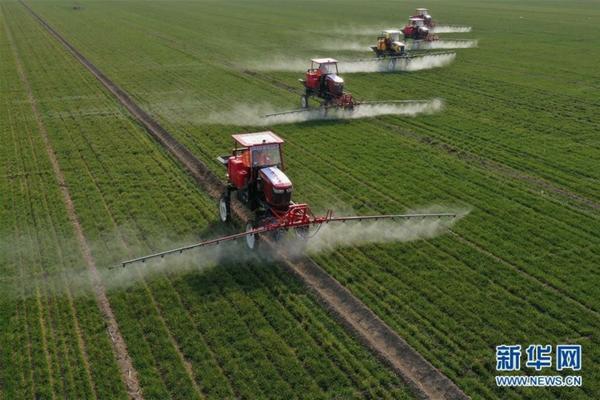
x=261, y=157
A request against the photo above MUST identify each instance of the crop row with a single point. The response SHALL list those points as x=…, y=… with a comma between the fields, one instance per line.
x=215, y=334
x=547, y=249
x=550, y=132
x=420, y=289
x=50, y=336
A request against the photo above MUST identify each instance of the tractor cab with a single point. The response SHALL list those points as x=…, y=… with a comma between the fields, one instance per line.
x=322, y=80
x=389, y=43
x=325, y=66
x=255, y=171
x=321, y=70
x=424, y=13
x=391, y=35
x=416, y=29
x=416, y=22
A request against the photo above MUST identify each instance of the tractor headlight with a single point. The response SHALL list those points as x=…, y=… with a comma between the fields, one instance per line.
x=278, y=191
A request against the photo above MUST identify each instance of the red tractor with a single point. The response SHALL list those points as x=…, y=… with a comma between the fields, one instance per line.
x=427, y=20
x=323, y=83
x=255, y=173
x=417, y=30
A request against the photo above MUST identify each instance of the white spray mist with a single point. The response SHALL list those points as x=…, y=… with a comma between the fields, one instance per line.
x=254, y=115
x=444, y=44
x=451, y=29
x=334, y=235
x=383, y=65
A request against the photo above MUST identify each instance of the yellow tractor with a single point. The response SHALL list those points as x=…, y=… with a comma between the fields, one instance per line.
x=389, y=44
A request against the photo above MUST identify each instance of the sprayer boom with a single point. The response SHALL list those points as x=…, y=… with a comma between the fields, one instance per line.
x=301, y=218
x=357, y=104
x=296, y=111
x=393, y=59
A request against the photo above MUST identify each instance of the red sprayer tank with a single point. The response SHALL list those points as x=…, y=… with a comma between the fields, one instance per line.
x=238, y=172
x=312, y=79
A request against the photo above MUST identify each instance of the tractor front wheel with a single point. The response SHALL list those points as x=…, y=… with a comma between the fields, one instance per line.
x=302, y=232
x=251, y=240
x=304, y=101
x=225, y=207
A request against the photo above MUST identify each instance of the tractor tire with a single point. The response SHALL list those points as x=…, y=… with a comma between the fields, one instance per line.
x=302, y=232
x=251, y=240
x=225, y=207
x=301, y=242
x=304, y=101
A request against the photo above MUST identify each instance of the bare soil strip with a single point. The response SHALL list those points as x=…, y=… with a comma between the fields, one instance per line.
x=128, y=372
x=387, y=345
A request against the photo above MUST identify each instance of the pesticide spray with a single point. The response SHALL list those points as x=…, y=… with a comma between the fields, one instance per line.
x=399, y=64
x=443, y=44
x=438, y=44
x=356, y=30
x=370, y=31
x=345, y=45
x=374, y=65
x=330, y=236
x=245, y=115
x=451, y=29
x=75, y=281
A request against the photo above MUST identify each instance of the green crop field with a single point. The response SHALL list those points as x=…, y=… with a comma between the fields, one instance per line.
x=516, y=145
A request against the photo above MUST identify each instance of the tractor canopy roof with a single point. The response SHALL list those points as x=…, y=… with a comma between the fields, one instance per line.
x=324, y=60
x=257, y=138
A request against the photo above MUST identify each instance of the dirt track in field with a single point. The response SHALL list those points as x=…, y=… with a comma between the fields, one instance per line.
x=128, y=372
x=426, y=380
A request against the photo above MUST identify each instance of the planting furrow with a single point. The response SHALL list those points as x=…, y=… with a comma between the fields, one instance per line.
x=129, y=374
x=67, y=311
x=373, y=188
x=422, y=375
x=72, y=145
x=492, y=165
x=37, y=303
x=521, y=174
x=252, y=277
x=580, y=229
x=506, y=143
x=22, y=360
x=125, y=245
x=197, y=391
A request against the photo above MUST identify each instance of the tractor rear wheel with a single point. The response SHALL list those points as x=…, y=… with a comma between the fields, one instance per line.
x=304, y=101
x=225, y=207
x=251, y=240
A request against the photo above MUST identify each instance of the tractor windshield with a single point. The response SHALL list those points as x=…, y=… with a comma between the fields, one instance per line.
x=266, y=155
x=328, y=68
